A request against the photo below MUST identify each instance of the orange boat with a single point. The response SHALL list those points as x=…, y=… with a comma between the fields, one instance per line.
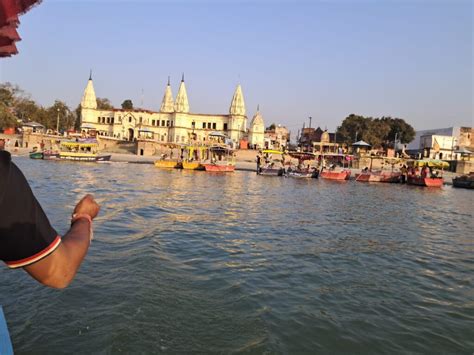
x=378, y=176
x=335, y=175
x=219, y=167
x=425, y=181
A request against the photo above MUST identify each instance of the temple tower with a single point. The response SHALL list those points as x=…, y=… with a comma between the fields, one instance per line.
x=237, y=118
x=182, y=105
x=167, y=105
x=257, y=130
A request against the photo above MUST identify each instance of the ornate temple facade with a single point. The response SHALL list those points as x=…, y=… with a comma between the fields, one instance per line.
x=174, y=123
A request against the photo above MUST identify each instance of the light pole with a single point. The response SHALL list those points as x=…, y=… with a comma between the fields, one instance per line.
x=310, y=118
x=57, y=122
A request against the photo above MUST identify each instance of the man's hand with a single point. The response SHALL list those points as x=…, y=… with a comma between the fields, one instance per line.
x=87, y=206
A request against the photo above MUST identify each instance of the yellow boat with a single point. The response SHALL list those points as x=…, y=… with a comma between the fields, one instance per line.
x=193, y=165
x=167, y=164
x=193, y=157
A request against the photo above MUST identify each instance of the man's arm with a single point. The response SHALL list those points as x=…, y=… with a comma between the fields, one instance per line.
x=59, y=268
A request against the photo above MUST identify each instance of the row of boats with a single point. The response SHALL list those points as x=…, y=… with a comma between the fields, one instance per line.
x=412, y=175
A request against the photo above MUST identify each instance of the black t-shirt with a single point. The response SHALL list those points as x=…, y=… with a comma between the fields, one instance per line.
x=26, y=235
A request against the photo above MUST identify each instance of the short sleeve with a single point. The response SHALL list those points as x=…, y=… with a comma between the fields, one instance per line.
x=26, y=236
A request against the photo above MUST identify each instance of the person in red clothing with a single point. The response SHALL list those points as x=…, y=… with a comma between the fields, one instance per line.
x=27, y=239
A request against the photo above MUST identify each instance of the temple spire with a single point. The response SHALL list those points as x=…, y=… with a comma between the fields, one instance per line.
x=237, y=106
x=181, y=104
x=89, y=99
x=167, y=105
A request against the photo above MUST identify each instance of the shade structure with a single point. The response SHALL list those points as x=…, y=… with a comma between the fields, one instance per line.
x=433, y=163
x=33, y=124
x=87, y=126
x=9, y=12
x=463, y=150
x=361, y=144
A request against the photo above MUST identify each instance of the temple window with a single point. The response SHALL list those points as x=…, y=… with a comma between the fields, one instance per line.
x=153, y=122
x=141, y=119
x=163, y=123
x=225, y=126
x=112, y=120
x=204, y=125
x=98, y=119
x=130, y=120
x=214, y=125
x=182, y=139
x=209, y=125
x=167, y=123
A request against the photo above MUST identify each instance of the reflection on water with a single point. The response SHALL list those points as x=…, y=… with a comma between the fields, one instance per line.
x=187, y=261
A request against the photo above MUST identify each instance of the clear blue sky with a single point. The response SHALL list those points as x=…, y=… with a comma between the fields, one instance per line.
x=326, y=59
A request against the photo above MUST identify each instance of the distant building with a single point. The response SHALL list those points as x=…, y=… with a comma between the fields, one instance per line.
x=256, y=136
x=441, y=143
x=174, y=123
x=317, y=140
x=277, y=138
x=34, y=127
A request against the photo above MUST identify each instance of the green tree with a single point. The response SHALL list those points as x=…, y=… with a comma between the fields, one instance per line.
x=271, y=127
x=353, y=127
x=105, y=104
x=66, y=117
x=7, y=119
x=77, y=114
x=127, y=105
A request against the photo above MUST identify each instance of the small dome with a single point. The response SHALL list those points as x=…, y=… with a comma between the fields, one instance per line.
x=325, y=137
x=257, y=120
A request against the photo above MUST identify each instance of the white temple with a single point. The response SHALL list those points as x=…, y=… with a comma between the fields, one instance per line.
x=174, y=123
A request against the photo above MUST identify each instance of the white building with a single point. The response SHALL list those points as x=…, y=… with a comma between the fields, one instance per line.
x=174, y=123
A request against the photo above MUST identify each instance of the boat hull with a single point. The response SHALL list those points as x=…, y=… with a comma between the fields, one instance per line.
x=36, y=155
x=219, y=168
x=102, y=158
x=166, y=164
x=463, y=183
x=378, y=177
x=192, y=165
x=424, y=181
x=303, y=175
x=78, y=157
x=335, y=175
x=50, y=156
x=270, y=172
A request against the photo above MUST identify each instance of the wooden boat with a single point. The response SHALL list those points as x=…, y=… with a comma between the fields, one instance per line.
x=271, y=171
x=193, y=157
x=166, y=164
x=271, y=166
x=303, y=174
x=378, y=176
x=464, y=181
x=335, y=175
x=36, y=155
x=51, y=155
x=303, y=170
x=85, y=151
x=219, y=167
x=425, y=181
x=222, y=159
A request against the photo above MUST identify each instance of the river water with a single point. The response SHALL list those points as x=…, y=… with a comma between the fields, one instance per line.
x=193, y=262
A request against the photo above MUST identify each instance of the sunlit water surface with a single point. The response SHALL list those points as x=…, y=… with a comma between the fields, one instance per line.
x=188, y=261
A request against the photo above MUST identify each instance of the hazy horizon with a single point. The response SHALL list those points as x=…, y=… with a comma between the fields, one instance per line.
x=326, y=60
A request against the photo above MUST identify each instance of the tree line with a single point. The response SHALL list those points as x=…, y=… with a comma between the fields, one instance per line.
x=17, y=107
x=378, y=132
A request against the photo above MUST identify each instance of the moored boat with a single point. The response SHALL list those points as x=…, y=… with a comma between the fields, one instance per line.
x=271, y=171
x=271, y=166
x=50, y=155
x=303, y=170
x=425, y=181
x=222, y=159
x=219, y=167
x=335, y=175
x=464, y=181
x=85, y=151
x=193, y=157
x=378, y=176
x=36, y=155
x=167, y=164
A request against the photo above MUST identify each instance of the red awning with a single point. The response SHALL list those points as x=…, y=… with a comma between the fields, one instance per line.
x=9, y=12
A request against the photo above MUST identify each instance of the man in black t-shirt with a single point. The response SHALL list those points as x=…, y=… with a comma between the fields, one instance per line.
x=28, y=240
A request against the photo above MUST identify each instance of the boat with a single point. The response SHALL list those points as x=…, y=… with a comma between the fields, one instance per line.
x=425, y=181
x=378, y=176
x=464, y=181
x=344, y=174
x=302, y=170
x=271, y=167
x=430, y=180
x=369, y=175
x=167, y=164
x=85, y=151
x=193, y=157
x=221, y=159
x=36, y=155
x=51, y=154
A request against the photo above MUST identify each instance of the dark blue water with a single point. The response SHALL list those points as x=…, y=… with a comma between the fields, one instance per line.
x=186, y=262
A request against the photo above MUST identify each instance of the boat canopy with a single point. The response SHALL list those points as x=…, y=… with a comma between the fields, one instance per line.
x=433, y=163
x=217, y=134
